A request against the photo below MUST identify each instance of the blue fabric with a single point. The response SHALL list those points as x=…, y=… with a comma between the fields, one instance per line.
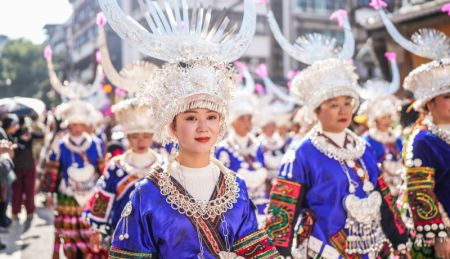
x=154, y=227
x=108, y=183
x=326, y=186
x=66, y=157
x=380, y=149
x=235, y=162
x=435, y=153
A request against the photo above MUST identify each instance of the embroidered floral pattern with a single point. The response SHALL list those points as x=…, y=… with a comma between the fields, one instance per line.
x=282, y=205
x=50, y=177
x=339, y=242
x=102, y=205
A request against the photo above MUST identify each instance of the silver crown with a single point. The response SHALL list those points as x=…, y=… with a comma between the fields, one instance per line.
x=324, y=80
x=178, y=87
x=134, y=116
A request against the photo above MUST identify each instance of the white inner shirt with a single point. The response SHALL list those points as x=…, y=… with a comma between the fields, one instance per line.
x=199, y=182
x=338, y=138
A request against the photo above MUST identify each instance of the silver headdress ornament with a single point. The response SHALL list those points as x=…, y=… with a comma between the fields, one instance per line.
x=197, y=74
x=131, y=77
x=379, y=95
x=135, y=116
x=329, y=75
x=175, y=36
x=314, y=47
x=71, y=90
x=428, y=80
x=77, y=111
x=324, y=80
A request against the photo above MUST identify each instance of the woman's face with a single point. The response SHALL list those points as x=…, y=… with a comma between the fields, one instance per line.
x=384, y=123
x=76, y=129
x=335, y=115
x=140, y=142
x=243, y=125
x=197, y=131
x=269, y=129
x=439, y=108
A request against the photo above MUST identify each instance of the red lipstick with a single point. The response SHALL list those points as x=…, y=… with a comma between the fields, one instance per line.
x=202, y=139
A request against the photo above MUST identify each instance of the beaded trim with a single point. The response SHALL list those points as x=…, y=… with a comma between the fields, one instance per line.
x=116, y=253
x=350, y=152
x=436, y=130
x=189, y=206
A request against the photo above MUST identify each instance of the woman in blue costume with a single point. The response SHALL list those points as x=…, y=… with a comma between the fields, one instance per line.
x=242, y=152
x=72, y=170
x=427, y=150
x=192, y=206
x=122, y=172
x=381, y=109
x=326, y=201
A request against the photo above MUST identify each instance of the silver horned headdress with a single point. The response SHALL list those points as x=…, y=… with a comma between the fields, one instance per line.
x=428, y=80
x=71, y=90
x=379, y=95
x=133, y=75
x=197, y=50
x=315, y=46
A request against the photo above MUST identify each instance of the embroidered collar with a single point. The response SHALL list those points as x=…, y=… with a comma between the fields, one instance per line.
x=131, y=169
x=383, y=137
x=80, y=148
x=179, y=199
x=440, y=132
x=352, y=150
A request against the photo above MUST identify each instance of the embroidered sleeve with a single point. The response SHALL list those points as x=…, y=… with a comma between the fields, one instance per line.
x=50, y=177
x=133, y=237
x=100, y=206
x=424, y=207
x=397, y=232
x=282, y=213
x=420, y=183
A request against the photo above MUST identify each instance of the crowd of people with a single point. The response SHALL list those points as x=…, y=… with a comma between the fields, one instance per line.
x=199, y=163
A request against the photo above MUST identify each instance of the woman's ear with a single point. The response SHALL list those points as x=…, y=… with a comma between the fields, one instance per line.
x=172, y=129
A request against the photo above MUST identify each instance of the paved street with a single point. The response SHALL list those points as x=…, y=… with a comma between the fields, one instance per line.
x=36, y=242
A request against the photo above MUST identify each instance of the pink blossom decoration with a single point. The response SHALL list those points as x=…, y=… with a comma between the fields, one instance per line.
x=101, y=20
x=261, y=71
x=378, y=4
x=48, y=53
x=339, y=15
x=446, y=8
x=391, y=56
x=259, y=88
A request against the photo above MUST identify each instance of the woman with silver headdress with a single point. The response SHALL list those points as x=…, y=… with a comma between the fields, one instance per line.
x=241, y=151
x=326, y=201
x=427, y=151
x=122, y=172
x=192, y=206
x=381, y=109
x=73, y=165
